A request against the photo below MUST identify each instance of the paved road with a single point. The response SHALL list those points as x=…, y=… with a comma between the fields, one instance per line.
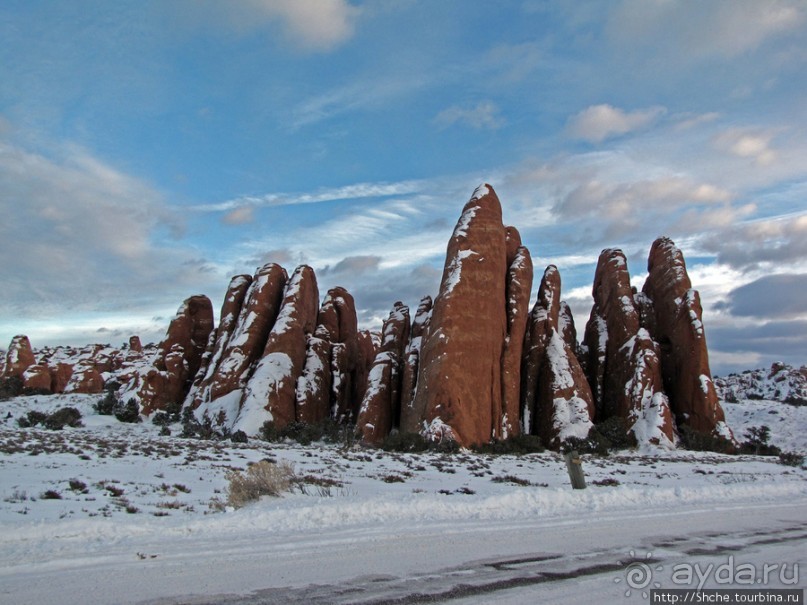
x=565, y=560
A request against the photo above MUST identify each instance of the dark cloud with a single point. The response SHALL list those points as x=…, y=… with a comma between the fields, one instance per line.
x=771, y=297
x=772, y=341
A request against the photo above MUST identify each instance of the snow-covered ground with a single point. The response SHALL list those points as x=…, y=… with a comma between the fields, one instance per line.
x=137, y=517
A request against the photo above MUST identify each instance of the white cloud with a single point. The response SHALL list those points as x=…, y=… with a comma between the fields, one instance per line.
x=722, y=28
x=600, y=122
x=78, y=234
x=239, y=216
x=747, y=143
x=483, y=115
x=316, y=25
x=621, y=201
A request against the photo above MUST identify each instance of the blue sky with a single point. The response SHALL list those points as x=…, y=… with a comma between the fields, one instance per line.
x=151, y=149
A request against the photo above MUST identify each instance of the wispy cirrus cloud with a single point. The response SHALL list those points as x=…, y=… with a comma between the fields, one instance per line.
x=354, y=191
x=484, y=115
x=720, y=28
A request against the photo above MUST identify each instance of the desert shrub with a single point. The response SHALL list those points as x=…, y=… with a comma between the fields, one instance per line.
x=36, y=391
x=67, y=416
x=50, y=494
x=305, y=433
x=32, y=418
x=594, y=443
x=302, y=432
x=270, y=432
x=607, y=482
x=260, y=479
x=191, y=427
x=10, y=387
x=517, y=445
x=239, y=437
x=404, y=442
x=78, y=486
x=128, y=412
x=511, y=479
x=756, y=442
x=161, y=419
x=615, y=431
x=704, y=442
x=791, y=458
x=107, y=405
x=446, y=446
x=165, y=432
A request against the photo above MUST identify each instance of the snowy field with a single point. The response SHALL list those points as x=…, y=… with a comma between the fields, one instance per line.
x=116, y=513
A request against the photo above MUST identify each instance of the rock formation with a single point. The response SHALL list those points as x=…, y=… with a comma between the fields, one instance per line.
x=349, y=361
x=256, y=316
x=18, y=357
x=381, y=405
x=178, y=359
x=518, y=292
x=474, y=365
x=623, y=359
x=556, y=399
x=313, y=392
x=459, y=381
x=271, y=392
x=411, y=416
x=680, y=334
x=37, y=377
x=135, y=345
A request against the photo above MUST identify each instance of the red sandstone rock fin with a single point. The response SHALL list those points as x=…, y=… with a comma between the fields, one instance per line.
x=680, y=333
x=459, y=378
x=271, y=391
x=380, y=409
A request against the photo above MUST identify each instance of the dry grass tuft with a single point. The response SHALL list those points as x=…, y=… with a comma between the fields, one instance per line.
x=260, y=479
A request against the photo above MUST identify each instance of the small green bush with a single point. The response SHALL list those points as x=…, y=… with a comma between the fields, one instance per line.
x=32, y=418
x=239, y=437
x=756, y=442
x=67, y=416
x=594, y=443
x=615, y=431
x=191, y=427
x=304, y=433
x=10, y=387
x=704, y=442
x=517, y=445
x=791, y=458
x=107, y=405
x=405, y=442
x=128, y=412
